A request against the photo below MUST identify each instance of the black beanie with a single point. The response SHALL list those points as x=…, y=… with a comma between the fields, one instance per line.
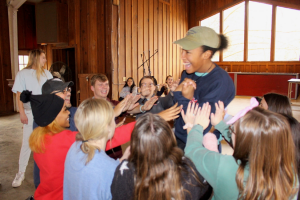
x=45, y=107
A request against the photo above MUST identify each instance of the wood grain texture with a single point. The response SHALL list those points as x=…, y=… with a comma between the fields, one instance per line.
x=6, y=95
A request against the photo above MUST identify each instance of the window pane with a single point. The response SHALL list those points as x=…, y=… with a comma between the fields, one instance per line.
x=259, y=35
x=25, y=60
x=21, y=66
x=214, y=23
x=287, y=37
x=233, y=28
x=21, y=60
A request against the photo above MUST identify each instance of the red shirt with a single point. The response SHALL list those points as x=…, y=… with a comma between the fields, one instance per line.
x=51, y=162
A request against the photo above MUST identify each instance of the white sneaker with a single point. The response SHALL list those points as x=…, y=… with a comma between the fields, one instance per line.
x=20, y=176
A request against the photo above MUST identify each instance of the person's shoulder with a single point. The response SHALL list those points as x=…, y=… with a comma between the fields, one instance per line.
x=125, y=167
x=73, y=110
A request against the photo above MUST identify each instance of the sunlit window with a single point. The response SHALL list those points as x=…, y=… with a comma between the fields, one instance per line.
x=23, y=60
x=259, y=35
x=214, y=23
x=234, y=30
x=287, y=36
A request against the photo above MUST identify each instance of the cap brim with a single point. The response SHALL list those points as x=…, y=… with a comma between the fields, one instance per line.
x=65, y=85
x=187, y=44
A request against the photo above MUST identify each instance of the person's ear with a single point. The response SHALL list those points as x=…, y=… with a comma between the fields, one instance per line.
x=207, y=54
x=92, y=88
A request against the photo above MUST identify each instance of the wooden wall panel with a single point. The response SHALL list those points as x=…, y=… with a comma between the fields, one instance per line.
x=273, y=67
x=26, y=27
x=150, y=25
x=6, y=95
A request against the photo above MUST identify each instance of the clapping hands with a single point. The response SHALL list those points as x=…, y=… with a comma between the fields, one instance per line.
x=197, y=115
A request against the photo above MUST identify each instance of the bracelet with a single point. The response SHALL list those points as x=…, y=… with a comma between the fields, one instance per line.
x=141, y=109
x=188, y=125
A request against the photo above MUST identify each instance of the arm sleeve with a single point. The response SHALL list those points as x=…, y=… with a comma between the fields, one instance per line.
x=122, y=186
x=121, y=136
x=19, y=84
x=159, y=93
x=207, y=162
x=166, y=101
x=123, y=92
x=224, y=129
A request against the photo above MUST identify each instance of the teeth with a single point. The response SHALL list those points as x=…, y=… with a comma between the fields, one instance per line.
x=186, y=63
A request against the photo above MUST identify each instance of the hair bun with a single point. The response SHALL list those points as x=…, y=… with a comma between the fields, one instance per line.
x=25, y=96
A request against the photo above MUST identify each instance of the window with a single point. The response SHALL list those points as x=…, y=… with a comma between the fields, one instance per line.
x=287, y=36
x=286, y=46
x=259, y=31
x=214, y=23
x=23, y=60
x=233, y=29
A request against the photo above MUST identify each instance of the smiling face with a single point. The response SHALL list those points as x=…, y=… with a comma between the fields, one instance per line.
x=129, y=82
x=169, y=81
x=43, y=59
x=147, y=88
x=100, y=89
x=195, y=59
x=63, y=117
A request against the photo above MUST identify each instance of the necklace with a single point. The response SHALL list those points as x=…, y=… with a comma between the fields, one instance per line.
x=203, y=74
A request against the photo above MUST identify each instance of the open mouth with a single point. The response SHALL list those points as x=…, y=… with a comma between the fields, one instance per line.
x=187, y=65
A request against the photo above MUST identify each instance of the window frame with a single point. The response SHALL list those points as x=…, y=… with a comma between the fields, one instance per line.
x=274, y=5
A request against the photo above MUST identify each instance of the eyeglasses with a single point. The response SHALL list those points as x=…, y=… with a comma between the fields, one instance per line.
x=145, y=85
x=63, y=91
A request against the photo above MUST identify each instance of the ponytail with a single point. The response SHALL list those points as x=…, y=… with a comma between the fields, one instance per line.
x=87, y=148
x=223, y=45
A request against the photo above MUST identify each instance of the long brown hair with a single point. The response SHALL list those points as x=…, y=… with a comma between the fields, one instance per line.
x=278, y=103
x=34, y=60
x=157, y=160
x=264, y=143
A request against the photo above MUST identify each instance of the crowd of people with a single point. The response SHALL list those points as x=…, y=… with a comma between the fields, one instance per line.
x=77, y=151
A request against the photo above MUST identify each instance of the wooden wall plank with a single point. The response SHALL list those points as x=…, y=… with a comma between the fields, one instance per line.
x=92, y=39
x=146, y=34
x=83, y=38
x=6, y=97
x=135, y=40
x=151, y=34
x=160, y=42
x=99, y=39
x=168, y=67
x=140, y=37
x=155, y=39
x=121, y=44
x=164, y=57
x=128, y=52
x=114, y=52
x=174, y=33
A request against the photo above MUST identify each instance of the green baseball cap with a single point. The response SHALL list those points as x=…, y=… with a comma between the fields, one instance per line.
x=199, y=36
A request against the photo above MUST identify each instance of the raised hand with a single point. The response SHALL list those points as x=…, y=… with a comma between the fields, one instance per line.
x=219, y=114
x=188, y=91
x=149, y=104
x=170, y=113
x=191, y=112
x=131, y=103
x=118, y=109
x=202, y=117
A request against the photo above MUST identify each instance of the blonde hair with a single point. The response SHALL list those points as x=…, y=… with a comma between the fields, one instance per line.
x=38, y=137
x=34, y=60
x=92, y=118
